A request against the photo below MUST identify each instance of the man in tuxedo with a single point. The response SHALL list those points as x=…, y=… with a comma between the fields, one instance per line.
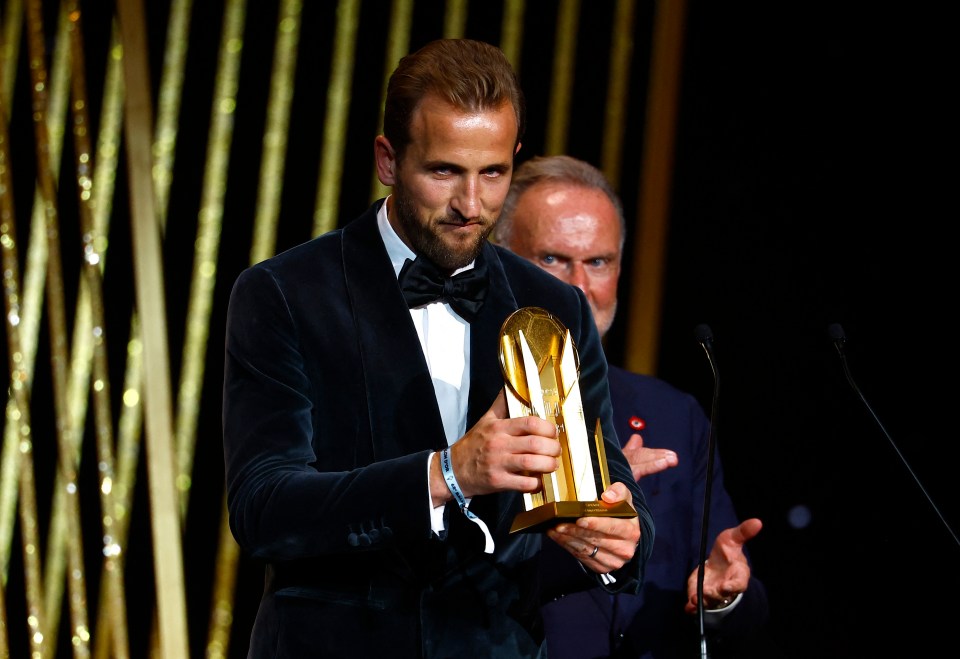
x=370, y=459
x=562, y=214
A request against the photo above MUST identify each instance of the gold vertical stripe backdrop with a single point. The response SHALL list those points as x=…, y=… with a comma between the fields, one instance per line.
x=148, y=285
x=561, y=87
x=277, y=130
x=23, y=317
x=207, y=243
x=455, y=19
x=614, y=125
x=65, y=432
x=153, y=154
x=95, y=332
x=54, y=565
x=650, y=240
x=335, y=123
x=398, y=41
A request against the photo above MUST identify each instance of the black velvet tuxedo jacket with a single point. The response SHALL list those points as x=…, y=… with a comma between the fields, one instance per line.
x=652, y=624
x=329, y=416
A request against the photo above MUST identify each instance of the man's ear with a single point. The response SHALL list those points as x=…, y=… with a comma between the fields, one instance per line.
x=517, y=150
x=386, y=160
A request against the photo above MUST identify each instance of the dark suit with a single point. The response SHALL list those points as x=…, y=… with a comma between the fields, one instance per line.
x=329, y=417
x=653, y=624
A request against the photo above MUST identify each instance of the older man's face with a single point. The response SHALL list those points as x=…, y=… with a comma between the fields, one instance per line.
x=572, y=232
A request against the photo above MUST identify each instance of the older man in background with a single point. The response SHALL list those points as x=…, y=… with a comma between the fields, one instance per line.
x=562, y=214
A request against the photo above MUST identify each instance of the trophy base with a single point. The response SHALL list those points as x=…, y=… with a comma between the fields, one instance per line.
x=550, y=514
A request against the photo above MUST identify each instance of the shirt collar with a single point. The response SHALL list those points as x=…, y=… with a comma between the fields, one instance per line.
x=396, y=249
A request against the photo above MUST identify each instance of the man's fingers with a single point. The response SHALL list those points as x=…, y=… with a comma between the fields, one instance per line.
x=645, y=461
x=634, y=443
x=616, y=493
x=747, y=530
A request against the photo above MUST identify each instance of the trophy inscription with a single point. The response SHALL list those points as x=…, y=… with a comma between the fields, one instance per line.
x=541, y=372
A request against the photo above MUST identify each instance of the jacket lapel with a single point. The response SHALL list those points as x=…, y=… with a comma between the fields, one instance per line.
x=486, y=378
x=404, y=417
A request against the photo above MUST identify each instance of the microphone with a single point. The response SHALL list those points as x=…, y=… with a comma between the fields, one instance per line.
x=704, y=336
x=839, y=337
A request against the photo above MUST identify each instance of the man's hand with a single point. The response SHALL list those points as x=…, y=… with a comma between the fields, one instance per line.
x=603, y=544
x=727, y=571
x=499, y=454
x=645, y=461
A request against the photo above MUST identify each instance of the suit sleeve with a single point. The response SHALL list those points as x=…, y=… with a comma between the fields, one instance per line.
x=595, y=390
x=281, y=506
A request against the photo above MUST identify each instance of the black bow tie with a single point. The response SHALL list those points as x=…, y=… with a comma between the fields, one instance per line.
x=422, y=283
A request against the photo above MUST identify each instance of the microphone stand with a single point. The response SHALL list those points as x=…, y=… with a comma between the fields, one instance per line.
x=839, y=339
x=705, y=338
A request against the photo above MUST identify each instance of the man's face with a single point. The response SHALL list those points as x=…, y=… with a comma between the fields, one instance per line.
x=450, y=186
x=572, y=232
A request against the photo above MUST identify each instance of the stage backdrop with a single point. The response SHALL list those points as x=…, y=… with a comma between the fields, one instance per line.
x=151, y=150
x=783, y=166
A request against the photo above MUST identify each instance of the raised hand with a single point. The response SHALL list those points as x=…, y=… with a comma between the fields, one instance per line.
x=727, y=571
x=645, y=461
x=499, y=454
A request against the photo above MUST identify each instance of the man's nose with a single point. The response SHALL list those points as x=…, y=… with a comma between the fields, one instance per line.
x=578, y=277
x=466, y=200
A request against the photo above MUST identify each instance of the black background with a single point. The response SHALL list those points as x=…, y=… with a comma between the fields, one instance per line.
x=811, y=188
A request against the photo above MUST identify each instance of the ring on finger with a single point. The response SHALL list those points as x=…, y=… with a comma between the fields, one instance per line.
x=596, y=548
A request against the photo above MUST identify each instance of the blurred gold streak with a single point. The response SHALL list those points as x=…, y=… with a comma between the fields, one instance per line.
x=264, y=241
x=131, y=414
x=57, y=327
x=327, y=203
x=31, y=306
x=105, y=171
x=112, y=564
x=511, y=32
x=148, y=280
x=9, y=49
x=128, y=455
x=643, y=326
x=168, y=103
x=28, y=301
x=18, y=407
x=614, y=124
x=455, y=19
x=277, y=131
x=207, y=244
x=55, y=565
x=558, y=119
x=221, y=606
x=398, y=43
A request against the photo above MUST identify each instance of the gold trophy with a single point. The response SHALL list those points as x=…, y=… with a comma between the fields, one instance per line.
x=541, y=371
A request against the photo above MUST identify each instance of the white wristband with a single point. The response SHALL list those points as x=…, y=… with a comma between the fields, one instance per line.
x=446, y=466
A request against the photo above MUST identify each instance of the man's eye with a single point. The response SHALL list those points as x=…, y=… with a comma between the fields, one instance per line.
x=549, y=260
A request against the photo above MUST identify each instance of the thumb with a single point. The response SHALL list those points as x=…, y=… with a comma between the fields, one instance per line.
x=747, y=530
x=635, y=442
x=499, y=407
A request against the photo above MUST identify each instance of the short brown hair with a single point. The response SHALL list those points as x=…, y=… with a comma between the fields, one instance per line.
x=470, y=75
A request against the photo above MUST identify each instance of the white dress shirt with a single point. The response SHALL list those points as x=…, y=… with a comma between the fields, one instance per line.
x=445, y=340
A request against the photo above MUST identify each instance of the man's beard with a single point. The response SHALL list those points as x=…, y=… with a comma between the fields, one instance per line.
x=429, y=244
